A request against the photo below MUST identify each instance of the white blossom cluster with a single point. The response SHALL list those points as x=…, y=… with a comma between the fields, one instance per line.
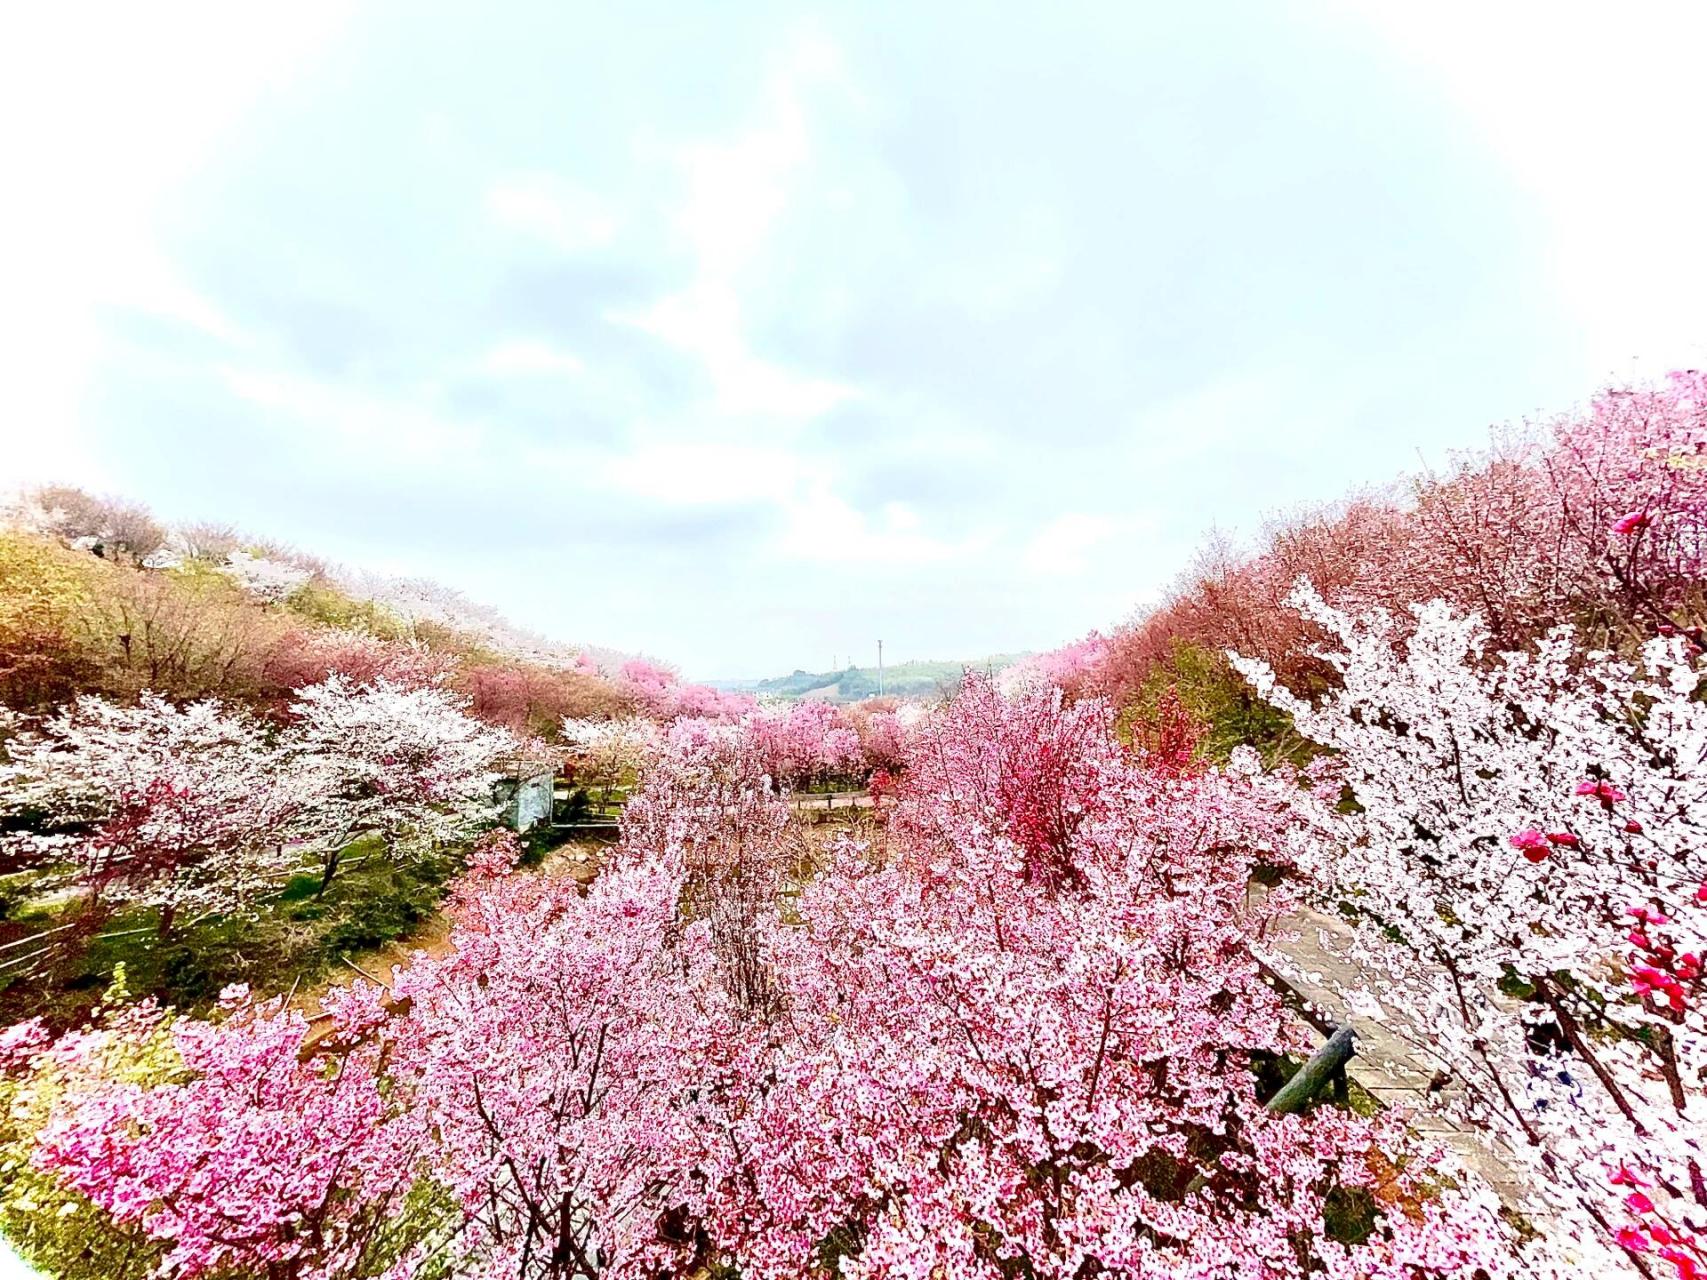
x=1526, y=867
x=204, y=807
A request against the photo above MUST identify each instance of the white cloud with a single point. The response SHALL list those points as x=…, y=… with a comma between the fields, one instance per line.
x=1066, y=545
x=1596, y=110
x=692, y=473
x=823, y=528
x=817, y=524
x=736, y=190
x=355, y=430
x=552, y=210
x=529, y=357
x=706, y=322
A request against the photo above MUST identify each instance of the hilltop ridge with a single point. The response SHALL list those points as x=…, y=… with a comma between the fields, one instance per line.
x=913, y=679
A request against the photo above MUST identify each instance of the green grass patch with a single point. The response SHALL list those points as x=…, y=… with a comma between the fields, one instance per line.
x=297, y=937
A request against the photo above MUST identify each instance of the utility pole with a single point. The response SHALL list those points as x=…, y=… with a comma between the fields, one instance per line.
x=880, y=684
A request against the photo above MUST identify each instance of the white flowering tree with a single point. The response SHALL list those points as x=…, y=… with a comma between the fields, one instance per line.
x=607, y=751
x=1528, y=869
x=408, y=763
x=263, y=577
x=176, y=807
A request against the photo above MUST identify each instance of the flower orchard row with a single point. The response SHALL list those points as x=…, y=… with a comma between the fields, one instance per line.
x=208, y=808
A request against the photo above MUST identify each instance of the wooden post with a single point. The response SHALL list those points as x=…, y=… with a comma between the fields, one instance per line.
x=1310, y=1079
x=1328, y=1063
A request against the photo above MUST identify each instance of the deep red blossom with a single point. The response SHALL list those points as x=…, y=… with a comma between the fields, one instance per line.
x=1532, y=844
x=1605, y=792
x=1647, y=980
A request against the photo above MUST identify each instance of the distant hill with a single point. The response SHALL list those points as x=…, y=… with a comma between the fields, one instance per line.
x=903, y=679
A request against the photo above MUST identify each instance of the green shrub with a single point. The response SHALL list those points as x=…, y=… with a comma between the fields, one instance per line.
x=319, y=601
x=1218, y=698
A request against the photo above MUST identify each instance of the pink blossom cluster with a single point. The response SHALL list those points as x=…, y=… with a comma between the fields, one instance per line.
x=1015, y=1035
x=806, y=742
x=662, y=695
x=270, y=1152
x=1073, y=668
x=883, y=725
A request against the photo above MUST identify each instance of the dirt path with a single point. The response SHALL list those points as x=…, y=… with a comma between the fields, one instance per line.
x=578, y=859
x=1390, y=1063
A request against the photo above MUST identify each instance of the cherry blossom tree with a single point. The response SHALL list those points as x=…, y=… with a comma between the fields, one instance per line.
x=264, y=578
x=205, y=807
x=651, y=685
x=110, y=527
x=265, y=1152
x=307, y=656
x=662, y=695
x=606, y=752
x=407, y=763
x=529, y=697
x=177, y=807
x=804, y=742
x=1528, y=869
x=882, y=732
x=1630, y=486
x=1070, y=668
x=710, y=805
x=553, y=1055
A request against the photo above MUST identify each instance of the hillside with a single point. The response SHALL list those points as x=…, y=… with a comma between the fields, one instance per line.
x=231, y=776
x=916, y=679
x=98, y=597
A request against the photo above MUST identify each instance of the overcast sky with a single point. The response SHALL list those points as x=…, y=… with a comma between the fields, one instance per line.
x=744, y=335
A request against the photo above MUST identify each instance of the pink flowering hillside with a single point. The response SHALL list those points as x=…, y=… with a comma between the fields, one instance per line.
x=1597, y=518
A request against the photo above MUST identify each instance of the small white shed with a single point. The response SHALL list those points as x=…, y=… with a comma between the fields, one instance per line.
x=525, y=792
